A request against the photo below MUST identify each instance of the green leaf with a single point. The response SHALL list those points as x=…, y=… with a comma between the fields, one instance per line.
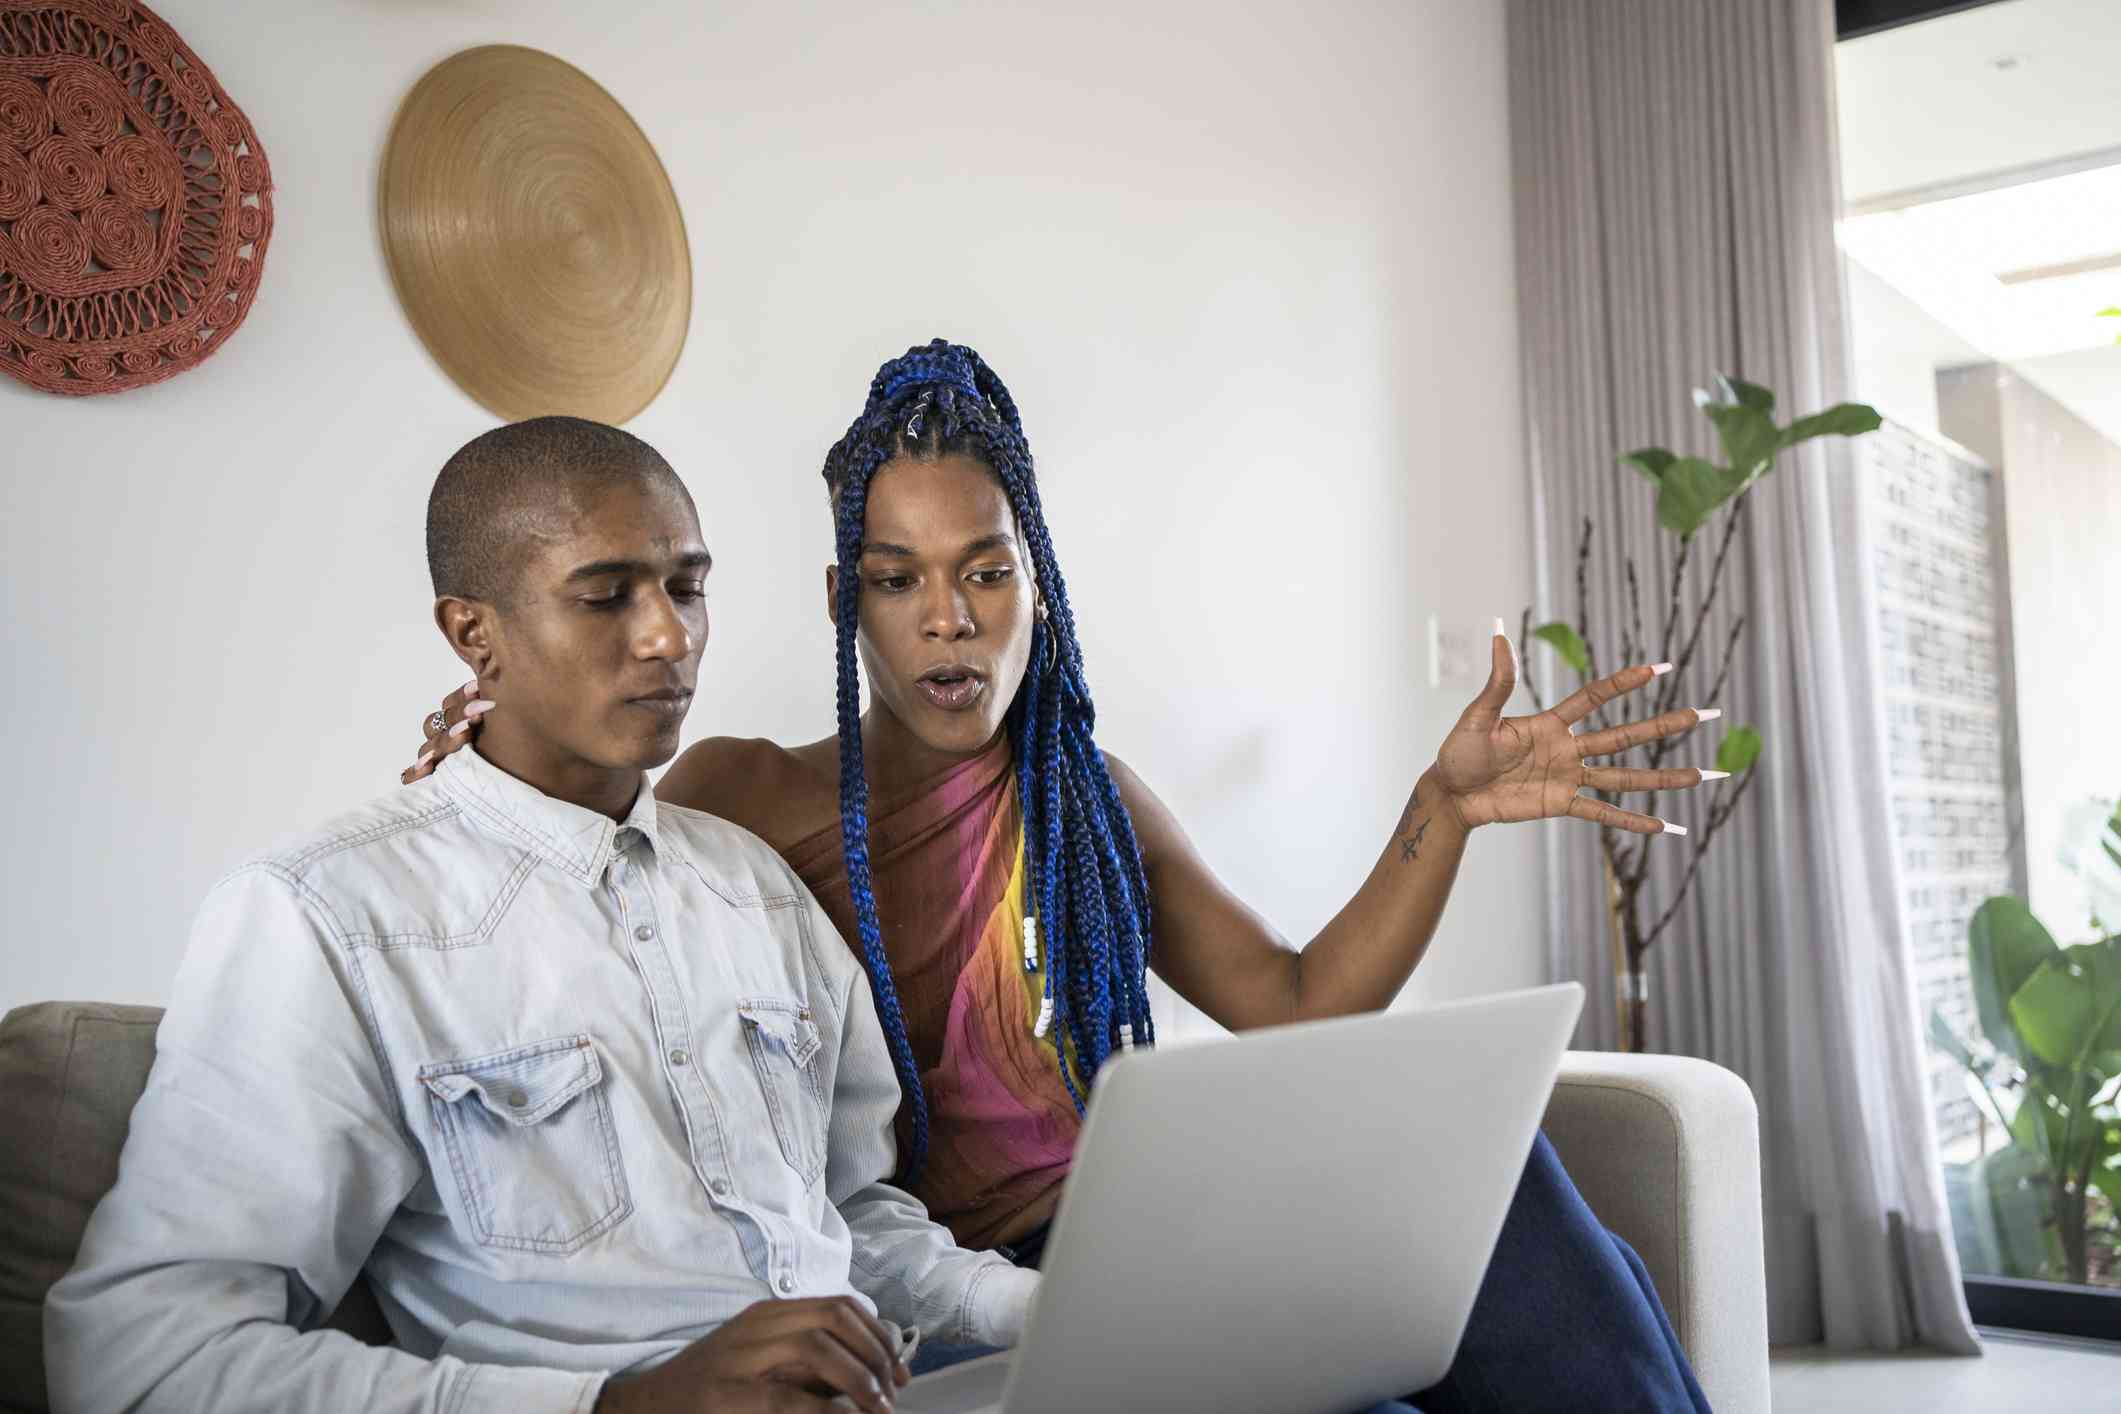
x=2112, y=311
x=1650, y=461
x=2005, y=946
x=1738, y=750
x=2069, y=1009
x=1749, y=436
x=1565, y=641
x=1690, y=490
x=2010, y=1208
x=1744, y=394
x=1840, y=420
x=2036, y=1128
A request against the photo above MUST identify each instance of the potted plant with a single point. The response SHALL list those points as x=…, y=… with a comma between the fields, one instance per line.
x=1689, y=493
x=2047, y=1065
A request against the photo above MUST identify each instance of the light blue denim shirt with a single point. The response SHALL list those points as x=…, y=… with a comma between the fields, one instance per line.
x=573, y=1093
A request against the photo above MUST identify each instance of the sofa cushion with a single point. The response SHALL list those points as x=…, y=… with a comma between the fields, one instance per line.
x=70, y=1073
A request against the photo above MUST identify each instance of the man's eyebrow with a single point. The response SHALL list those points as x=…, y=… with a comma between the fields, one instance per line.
x=597, y=569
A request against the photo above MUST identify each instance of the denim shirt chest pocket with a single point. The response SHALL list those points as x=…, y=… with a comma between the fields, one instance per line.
x=527, y=1135
x=784, y=1046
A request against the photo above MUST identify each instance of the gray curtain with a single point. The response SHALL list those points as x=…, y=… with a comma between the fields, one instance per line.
x=1676, y=191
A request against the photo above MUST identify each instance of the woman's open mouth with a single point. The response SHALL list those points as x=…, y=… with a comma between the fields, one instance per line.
x=952, y=688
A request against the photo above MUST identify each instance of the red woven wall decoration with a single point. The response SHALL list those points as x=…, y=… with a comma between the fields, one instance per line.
x=135, y=201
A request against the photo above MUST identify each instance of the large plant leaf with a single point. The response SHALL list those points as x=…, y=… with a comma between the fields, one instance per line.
x=2003, y=1201
x=1738, y=750
x=2005, y=945
x=1689, y=490
x=1749, y=436
x=1650, y=461
x=1840, y=420
x=2036, y=1127
x=1743, y=394
x=2069, y=1009
x=1565, y=641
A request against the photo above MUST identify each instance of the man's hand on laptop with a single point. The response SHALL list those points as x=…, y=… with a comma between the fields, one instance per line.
x=775, y=1356
x=447, y=728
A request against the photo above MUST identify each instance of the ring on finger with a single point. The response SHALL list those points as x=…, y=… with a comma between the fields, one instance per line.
x=437, y=723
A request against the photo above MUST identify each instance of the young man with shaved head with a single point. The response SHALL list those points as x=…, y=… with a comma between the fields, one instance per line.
x=582, y=1082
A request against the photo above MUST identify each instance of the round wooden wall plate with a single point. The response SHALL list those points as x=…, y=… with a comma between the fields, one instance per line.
x=534, y=238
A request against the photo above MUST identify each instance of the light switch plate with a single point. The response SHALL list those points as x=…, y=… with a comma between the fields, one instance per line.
x=1458, y=655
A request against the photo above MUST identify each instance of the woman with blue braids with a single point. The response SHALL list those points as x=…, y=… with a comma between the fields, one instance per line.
x=1009, y=886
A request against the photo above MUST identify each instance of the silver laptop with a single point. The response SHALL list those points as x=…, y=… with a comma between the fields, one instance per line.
x=1295, y=1221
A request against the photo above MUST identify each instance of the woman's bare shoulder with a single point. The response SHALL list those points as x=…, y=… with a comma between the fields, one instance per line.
x=778, y=793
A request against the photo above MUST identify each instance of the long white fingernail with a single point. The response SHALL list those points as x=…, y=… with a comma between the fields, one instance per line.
x=1672, y=829
x=470, y=689
x=1707, y=714
x=1715, y=776
x=425, y=757
x=1501, y=630
x=477, y=709
x=462, y=727
x=1658, y=670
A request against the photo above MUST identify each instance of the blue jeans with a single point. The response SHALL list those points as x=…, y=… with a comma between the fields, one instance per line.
x=1566, y=1319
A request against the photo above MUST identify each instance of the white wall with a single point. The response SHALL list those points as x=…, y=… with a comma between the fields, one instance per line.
x=1248, y=275
x=1898, y=351
x=2062, y=512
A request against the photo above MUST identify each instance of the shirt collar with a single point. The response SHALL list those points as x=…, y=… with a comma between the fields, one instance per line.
x=578, y=841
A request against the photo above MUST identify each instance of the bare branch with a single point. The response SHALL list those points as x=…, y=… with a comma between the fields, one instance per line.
x=1708, y=599
x=1583, y=599
x=1723, y=673
x=1671, y=603
x=1639, y=646
x=1717, y=815
x=1669, y=691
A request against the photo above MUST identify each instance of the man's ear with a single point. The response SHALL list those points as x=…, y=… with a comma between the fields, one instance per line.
x=832, y=595
x=468, y=626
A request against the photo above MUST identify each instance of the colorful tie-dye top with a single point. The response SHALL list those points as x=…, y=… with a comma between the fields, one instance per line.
x=947, y=860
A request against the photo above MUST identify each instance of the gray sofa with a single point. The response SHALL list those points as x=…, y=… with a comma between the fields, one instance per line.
x=1665, y=1149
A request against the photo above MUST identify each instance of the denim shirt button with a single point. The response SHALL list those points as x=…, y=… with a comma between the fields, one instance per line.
x=517, y=1099
x=719, y=1188
x=680, y=1056
x=787, y=1283
x=644, y=932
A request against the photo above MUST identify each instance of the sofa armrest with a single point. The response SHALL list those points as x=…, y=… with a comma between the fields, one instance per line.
x=1666, y=1150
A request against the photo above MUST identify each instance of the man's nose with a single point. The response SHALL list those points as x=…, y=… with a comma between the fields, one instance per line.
x=663, y=632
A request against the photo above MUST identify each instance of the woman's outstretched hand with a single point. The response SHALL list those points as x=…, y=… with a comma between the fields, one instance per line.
x=448, y=727
x=1495, y=768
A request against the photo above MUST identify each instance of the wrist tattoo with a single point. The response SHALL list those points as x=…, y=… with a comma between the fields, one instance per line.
x=1410, y=846
x=1409, y=831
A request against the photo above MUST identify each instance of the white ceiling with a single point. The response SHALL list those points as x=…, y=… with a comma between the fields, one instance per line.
x=1971, y=150
x=1984, y=91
